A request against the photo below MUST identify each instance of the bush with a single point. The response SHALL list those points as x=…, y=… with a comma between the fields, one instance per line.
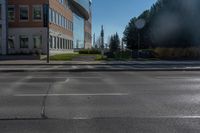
x=89, y=51
x=178, y=53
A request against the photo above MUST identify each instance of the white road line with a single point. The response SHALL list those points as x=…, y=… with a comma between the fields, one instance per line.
x=32, y=77
x=29, y=77
x=54, y=95
x=90, y=67
x=171, y=117
x=55, y=67
x=75, y=67
x=67, y=80
x=81, y=118
x=144, y=117
x=167, y=77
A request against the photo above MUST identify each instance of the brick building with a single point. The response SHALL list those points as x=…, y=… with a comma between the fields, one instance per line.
x=64, y=25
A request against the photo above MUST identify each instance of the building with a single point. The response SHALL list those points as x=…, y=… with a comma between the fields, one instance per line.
x=63, y=25
x=3, y=27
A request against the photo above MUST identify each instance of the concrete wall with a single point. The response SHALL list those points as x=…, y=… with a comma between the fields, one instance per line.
x=30, y=32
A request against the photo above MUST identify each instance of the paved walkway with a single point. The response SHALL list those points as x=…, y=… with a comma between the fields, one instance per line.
x=42, y=62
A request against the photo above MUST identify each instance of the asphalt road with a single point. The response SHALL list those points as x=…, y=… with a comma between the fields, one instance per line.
x=100, y=102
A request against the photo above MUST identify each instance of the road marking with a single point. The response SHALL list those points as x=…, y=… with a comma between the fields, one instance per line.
x=55, y=95
x=171, y=77
x=75, y=67
x=90, y=67
x=32, y=77
x=29, y=77
x=81, y=118
x=55, y=67
x=67, y=80
x=145, y=117
x=170, y=117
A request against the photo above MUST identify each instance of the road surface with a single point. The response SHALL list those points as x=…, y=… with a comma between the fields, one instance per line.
x=100, y=102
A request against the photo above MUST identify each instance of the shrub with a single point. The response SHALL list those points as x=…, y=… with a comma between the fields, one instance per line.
x=89, y=51
x=178, y=53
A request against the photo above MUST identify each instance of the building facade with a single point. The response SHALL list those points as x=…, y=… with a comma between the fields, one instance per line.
x=3, y=27
x=35, y=24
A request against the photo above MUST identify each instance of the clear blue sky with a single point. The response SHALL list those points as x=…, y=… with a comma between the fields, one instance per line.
x=115, y=14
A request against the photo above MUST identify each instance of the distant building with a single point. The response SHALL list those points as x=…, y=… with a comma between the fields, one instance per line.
x=64, y=25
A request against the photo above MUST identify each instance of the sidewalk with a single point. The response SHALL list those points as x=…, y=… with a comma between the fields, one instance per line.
x=42, y=62
x=94, y=66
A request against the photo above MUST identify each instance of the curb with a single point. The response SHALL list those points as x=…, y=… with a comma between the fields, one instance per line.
x=102, y=64
x=104, y=70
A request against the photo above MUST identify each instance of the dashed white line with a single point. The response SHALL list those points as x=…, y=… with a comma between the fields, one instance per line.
x=81, y=118
x=90, y=67
x=75, y=67
x=67, y=80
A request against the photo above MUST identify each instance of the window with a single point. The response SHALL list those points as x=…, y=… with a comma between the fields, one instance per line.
x=58, y=43
x=37, y=41
x=50, y=15
x=61, y=43
x=24, y=13
x=50, y=42
x=11, y=40
x=56, y=17
x=53, y=17
x=37, y=12
x=54, y=42
x=23, y=41
x=11, y=13
x=65, y=44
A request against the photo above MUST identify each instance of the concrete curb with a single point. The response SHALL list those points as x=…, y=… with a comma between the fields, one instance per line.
x=102, y=70
x=102, y=64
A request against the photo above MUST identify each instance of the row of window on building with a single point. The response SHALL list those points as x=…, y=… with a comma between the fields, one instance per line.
x=60, y=43
x=24, y=41
x=24, y=12
x=55, y=42
x=59, y=19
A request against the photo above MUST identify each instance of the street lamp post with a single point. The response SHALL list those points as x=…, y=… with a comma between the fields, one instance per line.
x=46, y=24
x=140, y=23
x=102, y=41
x=138, y=47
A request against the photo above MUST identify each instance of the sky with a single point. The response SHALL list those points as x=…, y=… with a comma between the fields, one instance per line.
x=115, y=14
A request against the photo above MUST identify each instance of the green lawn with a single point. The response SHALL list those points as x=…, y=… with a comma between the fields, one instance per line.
x=63, y=57
x=69, y=57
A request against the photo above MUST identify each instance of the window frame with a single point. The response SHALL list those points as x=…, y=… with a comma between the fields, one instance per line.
x=33, y=7
x=24, y=6
x=20, y=36
x=12, y=6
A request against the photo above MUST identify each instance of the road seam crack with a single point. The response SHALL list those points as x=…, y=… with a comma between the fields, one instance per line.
x=43, y=111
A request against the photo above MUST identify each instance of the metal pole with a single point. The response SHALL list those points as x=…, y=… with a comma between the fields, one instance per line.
x=138, y=44
x=102, y=40
x=48, y=54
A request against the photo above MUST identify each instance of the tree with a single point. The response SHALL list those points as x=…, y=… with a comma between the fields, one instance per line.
x=114, y=43
x=169, y=23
